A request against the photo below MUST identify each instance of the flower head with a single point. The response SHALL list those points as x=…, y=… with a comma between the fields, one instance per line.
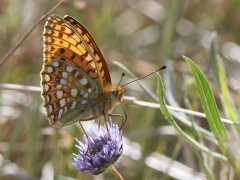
x=104, y=149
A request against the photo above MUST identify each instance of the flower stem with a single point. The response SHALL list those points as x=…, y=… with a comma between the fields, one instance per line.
x=115, y=173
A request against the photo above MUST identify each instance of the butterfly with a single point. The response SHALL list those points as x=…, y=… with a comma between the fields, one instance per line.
x=75, y=80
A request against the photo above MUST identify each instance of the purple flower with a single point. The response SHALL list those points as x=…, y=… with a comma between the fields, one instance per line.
x=105, y=148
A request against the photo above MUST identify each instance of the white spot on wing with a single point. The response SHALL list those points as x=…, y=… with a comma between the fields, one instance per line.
x=74, y=92
x=47, y=98
x=55, y=64
x=49, y=69
x=59, y=86
x=59, y=94
x=85, y=95
x=65, y=74
x=84, y=101
x=83, y=81
x=62, y=102
x=50, y=109
x=45, y=88
x=69, y=68
x=73, y=104
x=63, y=81
x=89, y=90
x=52, y=116
x=60, y=113
x=46, y=77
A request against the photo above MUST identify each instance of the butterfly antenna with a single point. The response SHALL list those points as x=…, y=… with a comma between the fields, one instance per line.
x=164, y=67
x=123, y=74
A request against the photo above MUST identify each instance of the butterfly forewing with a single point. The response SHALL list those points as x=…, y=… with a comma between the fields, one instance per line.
x=62, y=41
x=93, y=48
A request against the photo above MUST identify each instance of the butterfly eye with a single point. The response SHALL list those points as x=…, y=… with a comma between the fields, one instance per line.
x=113, y=94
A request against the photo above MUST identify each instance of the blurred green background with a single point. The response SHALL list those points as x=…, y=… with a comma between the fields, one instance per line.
x=141, y=34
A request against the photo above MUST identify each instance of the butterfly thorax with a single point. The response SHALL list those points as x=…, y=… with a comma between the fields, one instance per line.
x=103, y=104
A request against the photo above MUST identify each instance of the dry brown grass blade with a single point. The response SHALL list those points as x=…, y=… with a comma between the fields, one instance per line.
x=28, y=33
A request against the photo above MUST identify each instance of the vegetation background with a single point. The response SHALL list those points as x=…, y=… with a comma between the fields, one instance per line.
x=143, y=35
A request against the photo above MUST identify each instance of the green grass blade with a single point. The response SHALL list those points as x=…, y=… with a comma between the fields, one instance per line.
x=168, y=116
x=203, y=160
x=220, y=75
x=209, y=104
x=228, y=104
x=213, y=58
x=212, y=114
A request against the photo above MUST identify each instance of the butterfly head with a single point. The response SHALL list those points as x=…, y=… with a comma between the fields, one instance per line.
x=116, y=93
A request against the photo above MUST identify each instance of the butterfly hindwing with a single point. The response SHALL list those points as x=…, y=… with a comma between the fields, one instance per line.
x=66, y=90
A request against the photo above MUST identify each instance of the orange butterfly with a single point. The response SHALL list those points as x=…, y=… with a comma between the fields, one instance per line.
x=76, y=85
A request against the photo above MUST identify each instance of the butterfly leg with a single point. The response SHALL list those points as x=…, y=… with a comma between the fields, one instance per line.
x=118, y=115
x=87, y=119
x=124, y=119
x=107, y=127
x=86, y=137
x=99, y=122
